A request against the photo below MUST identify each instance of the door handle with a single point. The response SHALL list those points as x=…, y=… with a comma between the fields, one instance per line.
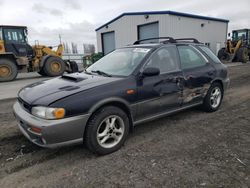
x=188, y=77
x=210, y=73
x=177, y=79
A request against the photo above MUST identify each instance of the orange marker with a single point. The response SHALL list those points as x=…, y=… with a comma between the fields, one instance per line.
x=130, y=91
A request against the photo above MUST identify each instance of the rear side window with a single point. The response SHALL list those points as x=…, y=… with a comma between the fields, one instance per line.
x=210, y=54
x=190, y=58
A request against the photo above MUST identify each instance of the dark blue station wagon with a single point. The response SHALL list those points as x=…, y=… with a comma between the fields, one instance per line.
x=131, y=85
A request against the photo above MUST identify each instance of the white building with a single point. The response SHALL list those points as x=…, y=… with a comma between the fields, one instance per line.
x=129, y=27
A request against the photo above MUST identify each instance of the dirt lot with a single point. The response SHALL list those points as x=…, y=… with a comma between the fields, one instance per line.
x=189, y=149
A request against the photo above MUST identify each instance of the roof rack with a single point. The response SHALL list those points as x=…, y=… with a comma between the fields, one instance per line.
x=188, y=39
x=169, y=39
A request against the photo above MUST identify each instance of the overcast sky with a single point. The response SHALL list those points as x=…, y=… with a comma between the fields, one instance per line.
x=76, y=20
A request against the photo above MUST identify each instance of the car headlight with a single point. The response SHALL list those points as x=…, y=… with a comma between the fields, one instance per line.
x=48, y=113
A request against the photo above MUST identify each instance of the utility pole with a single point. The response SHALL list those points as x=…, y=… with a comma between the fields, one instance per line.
x=60, y=38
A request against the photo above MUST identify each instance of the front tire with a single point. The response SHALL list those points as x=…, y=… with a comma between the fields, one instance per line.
x=42, y=73
x=242, y=54
x=54, y=66
x=8, y=70
x=107, y=130
x=213, y=98
x=223, y=55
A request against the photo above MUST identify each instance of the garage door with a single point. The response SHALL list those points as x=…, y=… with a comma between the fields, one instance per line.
x=148, y=31
x=108, y=42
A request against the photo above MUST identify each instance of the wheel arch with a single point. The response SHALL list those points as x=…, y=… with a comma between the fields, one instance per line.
x=117, y=102
x=218, y=81
x=9, y=56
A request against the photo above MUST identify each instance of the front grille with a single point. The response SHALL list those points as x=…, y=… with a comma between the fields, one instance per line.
x=26, y=106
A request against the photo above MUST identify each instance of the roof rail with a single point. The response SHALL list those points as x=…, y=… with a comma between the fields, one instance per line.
x=169, y=39
x=191, y=39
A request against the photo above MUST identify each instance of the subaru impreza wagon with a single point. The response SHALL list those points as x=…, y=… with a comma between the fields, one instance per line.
x=130, y=85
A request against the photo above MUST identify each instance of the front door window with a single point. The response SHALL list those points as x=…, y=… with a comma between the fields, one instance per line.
x=164, y=59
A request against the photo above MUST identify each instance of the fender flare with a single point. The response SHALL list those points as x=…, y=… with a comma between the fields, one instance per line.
x=107, y=101
x=8, y=55
x=217, y=79
x=114, y=100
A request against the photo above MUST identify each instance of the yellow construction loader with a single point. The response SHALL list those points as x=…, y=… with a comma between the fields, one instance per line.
x=16, y=55
x=238, y=48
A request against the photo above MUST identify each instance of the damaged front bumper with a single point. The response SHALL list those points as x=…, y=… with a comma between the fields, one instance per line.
x=54, y=133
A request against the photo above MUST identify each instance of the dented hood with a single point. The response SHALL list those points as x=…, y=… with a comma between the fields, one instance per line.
x=46, y=92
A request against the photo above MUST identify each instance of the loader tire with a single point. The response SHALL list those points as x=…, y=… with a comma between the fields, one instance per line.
x=223, y=55
x=72, y=67
x=8, y=70
x=42, y=73
x=242, y=55
x=54, y=66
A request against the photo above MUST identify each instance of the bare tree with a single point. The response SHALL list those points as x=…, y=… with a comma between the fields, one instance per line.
x=74, y=48
x=66, y=48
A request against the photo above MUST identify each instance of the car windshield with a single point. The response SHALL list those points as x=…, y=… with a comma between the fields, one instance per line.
x=121, y=62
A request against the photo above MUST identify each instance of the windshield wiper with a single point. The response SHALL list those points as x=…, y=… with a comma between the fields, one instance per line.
x=85, y=71
x=101, y=73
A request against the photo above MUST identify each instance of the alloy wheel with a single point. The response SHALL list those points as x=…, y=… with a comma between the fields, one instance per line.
x=215, y=97
x=110, y=131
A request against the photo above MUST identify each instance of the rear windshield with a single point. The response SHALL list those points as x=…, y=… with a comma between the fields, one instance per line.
x=210, y=54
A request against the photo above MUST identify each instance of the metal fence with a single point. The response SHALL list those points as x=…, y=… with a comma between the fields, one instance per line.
x=78, y=58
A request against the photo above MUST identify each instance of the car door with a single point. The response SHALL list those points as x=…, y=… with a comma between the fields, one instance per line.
x=161, y=93
x=198, y=73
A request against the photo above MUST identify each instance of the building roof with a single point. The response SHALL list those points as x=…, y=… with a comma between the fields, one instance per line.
x=13, y=26
x=163, y=12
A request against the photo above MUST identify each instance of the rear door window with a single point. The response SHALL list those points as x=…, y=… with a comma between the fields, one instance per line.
x=190, y=58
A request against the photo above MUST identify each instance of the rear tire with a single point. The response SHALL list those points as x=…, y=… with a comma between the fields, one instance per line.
x=8, y=70
x=213, y=98
x=107, y=130
x=42, y=73
x=54, y=66
x=223, y=55
x=242, y=54
x=71, y=67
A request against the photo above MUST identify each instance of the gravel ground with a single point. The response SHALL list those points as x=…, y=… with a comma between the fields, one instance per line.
x=189, y=149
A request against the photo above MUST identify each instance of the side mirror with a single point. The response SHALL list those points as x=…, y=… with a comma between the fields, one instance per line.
x=151, y=71
x=229, y=34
